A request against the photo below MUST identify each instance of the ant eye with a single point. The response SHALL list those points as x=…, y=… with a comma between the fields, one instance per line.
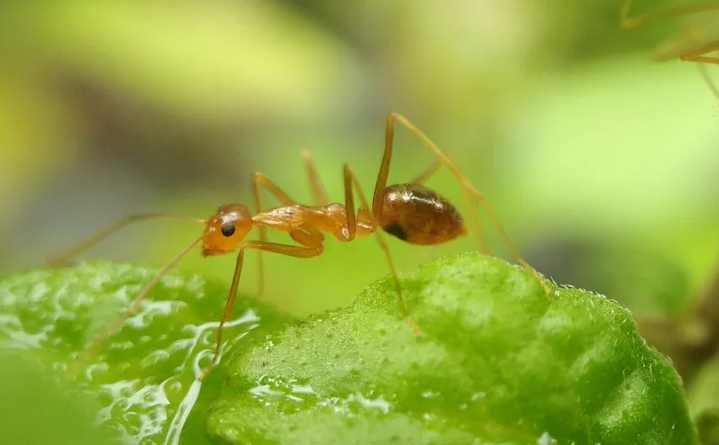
x=228, y=229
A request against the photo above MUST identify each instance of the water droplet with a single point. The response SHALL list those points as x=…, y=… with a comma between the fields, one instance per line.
x=378, y=403
x=546, y=439
x=302, y=389
x=478, y=395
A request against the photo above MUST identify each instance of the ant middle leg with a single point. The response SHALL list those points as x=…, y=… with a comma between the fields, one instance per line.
x=318, y=191
x=261, y=180
x=473, y=196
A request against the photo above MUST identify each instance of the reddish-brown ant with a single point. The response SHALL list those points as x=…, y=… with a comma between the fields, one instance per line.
x=410, y=212
x=693, y=45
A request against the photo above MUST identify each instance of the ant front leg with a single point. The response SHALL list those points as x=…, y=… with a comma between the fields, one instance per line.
x=312, y=248
x=350, y=181
x=132, y=309
x=473, y=196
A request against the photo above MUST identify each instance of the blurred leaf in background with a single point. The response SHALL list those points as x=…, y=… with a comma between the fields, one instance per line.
x=160, y=94
x=174, y=107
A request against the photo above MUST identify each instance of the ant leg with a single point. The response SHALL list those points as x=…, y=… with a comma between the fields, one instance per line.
x=259, y=179
x=635, y=22
x=424, y=176
x=472, y=194
x=701, y=59
x=699, y=55
x=350, y=181
x=432, y=169
x=64, y=258
x=312, y=250
x=696, y=56
x=318, y=191
x=132, y=309
x=441, y=159
x=707, y=78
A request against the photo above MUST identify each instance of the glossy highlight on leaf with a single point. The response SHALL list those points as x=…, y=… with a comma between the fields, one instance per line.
x=144, y=376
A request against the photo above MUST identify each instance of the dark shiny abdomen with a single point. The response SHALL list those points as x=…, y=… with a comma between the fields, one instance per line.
x=418, y=215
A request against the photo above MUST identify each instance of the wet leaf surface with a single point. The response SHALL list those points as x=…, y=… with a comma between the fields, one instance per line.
x=498, y=361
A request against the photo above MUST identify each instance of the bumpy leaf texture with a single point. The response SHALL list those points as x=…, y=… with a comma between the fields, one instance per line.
x=498, y=362
x=143, y=378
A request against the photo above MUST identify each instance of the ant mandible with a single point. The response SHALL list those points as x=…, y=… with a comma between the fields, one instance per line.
x=410, y=212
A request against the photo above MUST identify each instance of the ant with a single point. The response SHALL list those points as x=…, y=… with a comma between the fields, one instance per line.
x=693, y=45
x=410, y=212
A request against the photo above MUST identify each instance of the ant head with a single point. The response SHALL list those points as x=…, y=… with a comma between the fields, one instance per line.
x=226, y=229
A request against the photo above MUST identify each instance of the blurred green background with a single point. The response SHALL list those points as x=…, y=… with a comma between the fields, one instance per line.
x=601, y=163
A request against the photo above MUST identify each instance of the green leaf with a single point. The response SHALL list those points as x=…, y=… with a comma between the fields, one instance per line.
x=498, y=363
x=143, y=374
x=29, y=397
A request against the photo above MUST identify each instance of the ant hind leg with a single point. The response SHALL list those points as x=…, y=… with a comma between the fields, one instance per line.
x=350, y=181
x=473, y=196
x=425, y=175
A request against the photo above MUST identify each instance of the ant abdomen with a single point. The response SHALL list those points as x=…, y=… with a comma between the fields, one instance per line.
x=418, y=215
